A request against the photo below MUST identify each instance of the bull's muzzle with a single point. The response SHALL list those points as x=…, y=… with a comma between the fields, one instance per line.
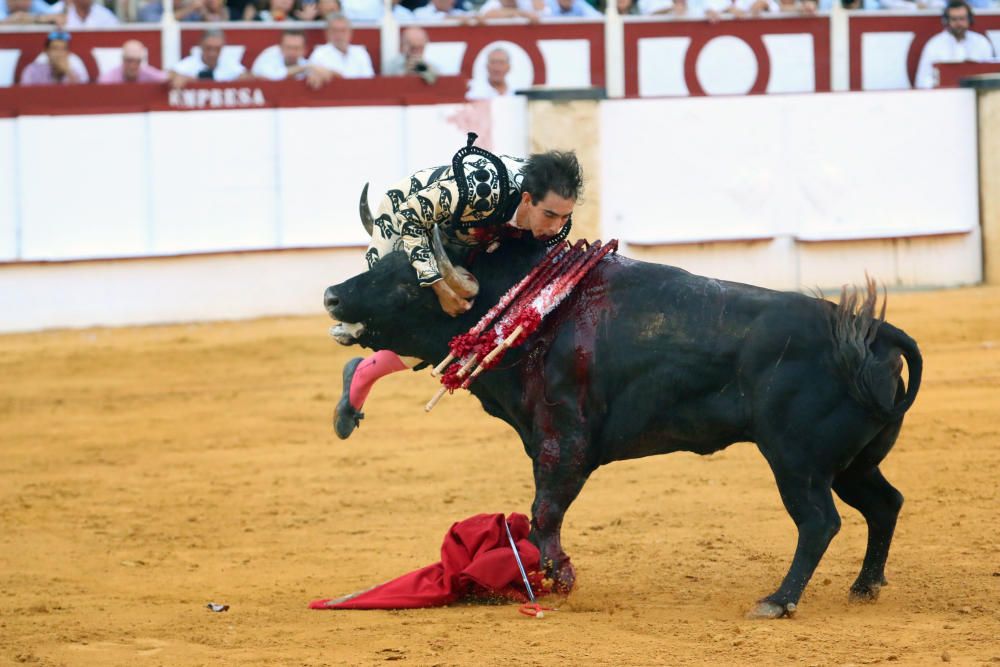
x=330, y=301
x=345, y=333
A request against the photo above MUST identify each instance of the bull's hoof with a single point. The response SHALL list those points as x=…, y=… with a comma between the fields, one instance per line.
x=346, y=418
x=563, y=576
x=865, y=592
x=766, y=609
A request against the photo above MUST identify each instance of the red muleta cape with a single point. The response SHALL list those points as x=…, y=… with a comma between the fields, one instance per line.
x=476, y=560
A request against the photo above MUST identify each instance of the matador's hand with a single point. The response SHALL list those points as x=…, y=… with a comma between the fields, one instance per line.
x=451, y=302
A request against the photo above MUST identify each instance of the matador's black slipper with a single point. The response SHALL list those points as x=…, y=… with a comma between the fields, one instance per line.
x=345, y=417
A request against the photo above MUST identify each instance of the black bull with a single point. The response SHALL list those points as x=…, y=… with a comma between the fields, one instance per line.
x=647, y=359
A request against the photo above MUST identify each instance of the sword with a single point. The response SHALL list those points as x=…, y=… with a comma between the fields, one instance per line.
x=532, y=609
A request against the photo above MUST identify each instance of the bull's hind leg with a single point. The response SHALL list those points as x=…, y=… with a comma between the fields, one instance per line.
x=869, y=492
x=863, y=487
x=809, y=501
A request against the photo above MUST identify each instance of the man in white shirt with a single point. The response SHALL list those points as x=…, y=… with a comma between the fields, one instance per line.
x=86, y=14
x=955, y=44
x=338, y=57
x=286, y=60
x=511, y=9
x=573, y=9
x=29, y=11
x=716, y=9
x=648, y=7
x=495, y=85
x=438, y=10
x=208, y=65
x=363, y=11
x=910, y=5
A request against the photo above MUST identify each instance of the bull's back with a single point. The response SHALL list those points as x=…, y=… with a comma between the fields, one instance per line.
x=698, y=327
x=676, y=354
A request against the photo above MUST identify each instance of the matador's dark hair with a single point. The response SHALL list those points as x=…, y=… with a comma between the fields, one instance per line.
x=554, y=171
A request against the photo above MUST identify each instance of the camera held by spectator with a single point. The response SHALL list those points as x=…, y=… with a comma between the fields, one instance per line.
x=410, y=60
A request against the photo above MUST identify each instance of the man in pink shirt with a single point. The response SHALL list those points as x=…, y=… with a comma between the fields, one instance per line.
x=133, y=68
x=56, y=65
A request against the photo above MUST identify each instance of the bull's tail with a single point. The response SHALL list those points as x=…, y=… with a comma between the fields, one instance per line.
x=865, y=348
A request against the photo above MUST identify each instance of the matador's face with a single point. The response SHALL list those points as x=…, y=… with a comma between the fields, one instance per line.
x=546, y=217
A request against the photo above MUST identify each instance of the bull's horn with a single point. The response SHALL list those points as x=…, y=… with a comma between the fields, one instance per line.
x=459, y=279
x=366, y=213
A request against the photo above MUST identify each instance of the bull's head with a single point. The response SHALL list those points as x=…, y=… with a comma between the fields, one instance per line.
x=385, y=308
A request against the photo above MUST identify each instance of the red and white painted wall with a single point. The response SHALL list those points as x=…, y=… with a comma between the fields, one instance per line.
x=660, y=57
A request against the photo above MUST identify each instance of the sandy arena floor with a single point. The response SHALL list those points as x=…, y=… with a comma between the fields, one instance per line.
x=146, y=472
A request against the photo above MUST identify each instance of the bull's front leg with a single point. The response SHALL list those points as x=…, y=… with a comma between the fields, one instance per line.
x=561, y=468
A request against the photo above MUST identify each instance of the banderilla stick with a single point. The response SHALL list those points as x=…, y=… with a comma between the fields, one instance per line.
x=496, y=351
x=555, y=260
x=563, y=285
x=434, y=401
x=568, y=268
x=479, y=369
x=443, y=365
x=440, y=393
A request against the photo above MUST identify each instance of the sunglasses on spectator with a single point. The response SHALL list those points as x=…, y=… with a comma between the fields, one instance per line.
x=58, y=35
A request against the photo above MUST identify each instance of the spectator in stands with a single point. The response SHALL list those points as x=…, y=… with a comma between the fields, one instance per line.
x=362, y=11
x=200, y=10
x=955, y=44
x=186, y=10
x=715, y=9
x=241, y=10
x=572, y=9
x=338, y=57
x=410, y=60
x=20, y=12
x=150, y=12
x=495, y=84
x=911, y=5
x=326, y=7
x=805, y=7
x=86, y=14
x=401, y=13
x=134, y=68
x=287, y=10
x=56, y=65
x=287, y=60
x=508, y=9
x=208, y=64
x=438, y=10
x=284, y=60
x=651, y=7
x=625, y=7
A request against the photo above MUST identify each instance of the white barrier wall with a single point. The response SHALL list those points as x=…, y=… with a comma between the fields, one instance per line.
x=80, y=187
x=9, y=187
x=174, y=289
x=815, y=167
x=793, y=191
x=798, y=191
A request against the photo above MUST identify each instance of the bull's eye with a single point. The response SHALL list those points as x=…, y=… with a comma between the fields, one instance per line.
x=406, y=294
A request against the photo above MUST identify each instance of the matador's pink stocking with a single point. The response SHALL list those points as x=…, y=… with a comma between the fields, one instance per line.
x=380, y=364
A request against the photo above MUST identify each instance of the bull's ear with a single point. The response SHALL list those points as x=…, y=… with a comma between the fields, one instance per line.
x=366, y=213
x=460, y=280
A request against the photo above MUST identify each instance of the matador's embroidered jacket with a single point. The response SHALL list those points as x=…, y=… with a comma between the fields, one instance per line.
x=472, y=201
